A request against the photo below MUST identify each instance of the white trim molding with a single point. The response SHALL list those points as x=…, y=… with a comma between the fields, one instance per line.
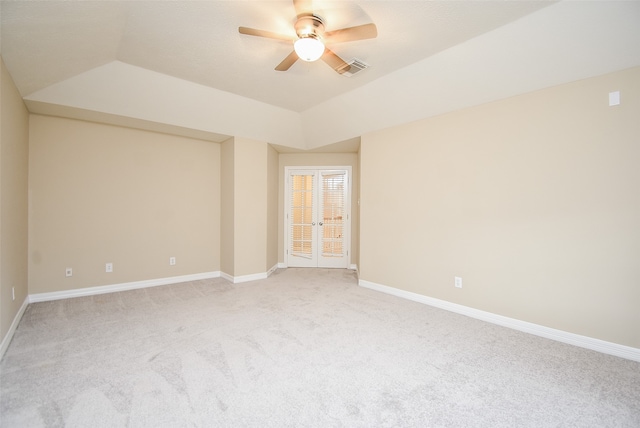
x=12, y=329
x=273, y=269
x=103, y=289
x=593, y=344
x=226, y=276
x=250, y=277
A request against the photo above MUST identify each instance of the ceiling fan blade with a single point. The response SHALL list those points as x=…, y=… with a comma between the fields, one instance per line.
x=334, y=61
x=287, y=62
x=261, y=33
x=303, y=7
x=360, y=32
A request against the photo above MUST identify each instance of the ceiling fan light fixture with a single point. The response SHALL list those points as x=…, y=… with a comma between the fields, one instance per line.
x=309, y=48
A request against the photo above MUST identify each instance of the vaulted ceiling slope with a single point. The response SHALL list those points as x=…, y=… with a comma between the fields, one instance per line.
x=182, y=67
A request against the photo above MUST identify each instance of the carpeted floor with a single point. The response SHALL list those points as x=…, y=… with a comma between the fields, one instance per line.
x=305, y=347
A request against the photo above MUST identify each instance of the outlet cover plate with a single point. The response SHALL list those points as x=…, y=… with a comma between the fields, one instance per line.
x=458, y=282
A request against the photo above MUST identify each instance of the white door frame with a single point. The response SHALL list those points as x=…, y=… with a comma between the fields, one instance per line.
x=287, y=199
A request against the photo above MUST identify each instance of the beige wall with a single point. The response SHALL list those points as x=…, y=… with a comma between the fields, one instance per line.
x=249, y=171
x=14, y=156
x=272, y=207
x=134, y=198
x=250, y=213
x=355, y=229
x=321, y=159
x=227, y=207
x=534, y=201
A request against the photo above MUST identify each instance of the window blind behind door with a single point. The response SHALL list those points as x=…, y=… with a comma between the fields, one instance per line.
x=302, y=206
x=333, y=213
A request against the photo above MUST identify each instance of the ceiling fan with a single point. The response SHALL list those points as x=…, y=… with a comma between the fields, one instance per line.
x=310, y=44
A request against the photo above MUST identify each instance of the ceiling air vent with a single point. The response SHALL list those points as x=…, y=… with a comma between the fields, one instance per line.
x=356, y=66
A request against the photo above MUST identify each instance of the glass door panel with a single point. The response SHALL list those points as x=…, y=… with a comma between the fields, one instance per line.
x=333, y=193
x=318, y=218
x=301, y=219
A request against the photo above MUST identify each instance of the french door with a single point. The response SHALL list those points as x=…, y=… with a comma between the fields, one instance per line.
x=318, y=218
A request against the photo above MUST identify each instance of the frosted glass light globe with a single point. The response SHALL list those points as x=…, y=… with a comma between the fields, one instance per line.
x=309, y=48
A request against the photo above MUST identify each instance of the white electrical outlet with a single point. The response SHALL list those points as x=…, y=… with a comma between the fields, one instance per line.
x=458, y=282
x=68, y=272
x=614, y=98
x=13, y=293
x=108, y=267
x=172, y=261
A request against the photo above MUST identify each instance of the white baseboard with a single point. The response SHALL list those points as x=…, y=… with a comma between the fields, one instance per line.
x=593, y=344
x=12, y=329
x=226, y=276
x=248, y=278
x=353, y=266
x=103, y=289
x=272, y=270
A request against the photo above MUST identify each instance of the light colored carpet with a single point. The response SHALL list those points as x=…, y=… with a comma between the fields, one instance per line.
x=306, y=347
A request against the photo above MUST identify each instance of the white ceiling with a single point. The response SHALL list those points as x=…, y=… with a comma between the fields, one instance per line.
x=182, y=66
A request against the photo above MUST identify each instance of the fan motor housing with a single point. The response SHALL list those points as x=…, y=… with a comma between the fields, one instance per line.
x=309, y=26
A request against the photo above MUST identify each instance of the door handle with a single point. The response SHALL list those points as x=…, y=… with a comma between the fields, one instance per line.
x=313, y=224
x=320, y=223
